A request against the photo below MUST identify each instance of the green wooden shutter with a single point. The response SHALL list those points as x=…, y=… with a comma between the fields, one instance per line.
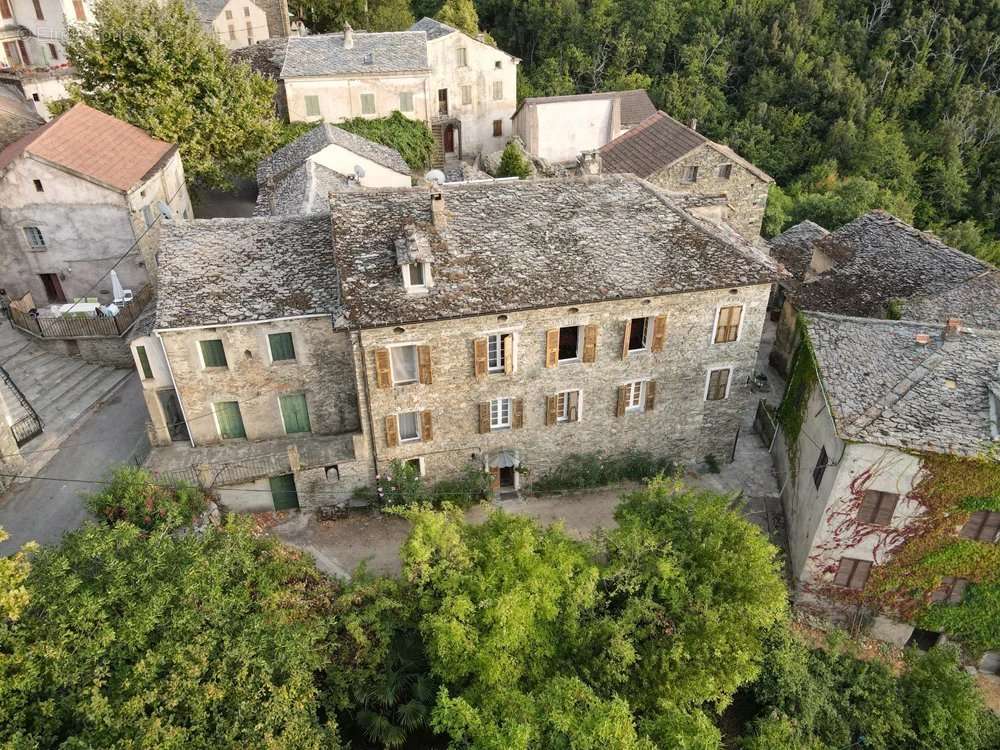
x=281, y=346
x=295, y=413
x=230, y=419
x=147, y=371
x=213, y=353
x=283, y=492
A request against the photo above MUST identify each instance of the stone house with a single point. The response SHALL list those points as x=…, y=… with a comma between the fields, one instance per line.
x=74, y=196
x=298, y=177
x=678, y=158
x=33, y=32
x=887, y=395
x=560, y=128
x=241, y=23
x=17, y=116
x=430, y=331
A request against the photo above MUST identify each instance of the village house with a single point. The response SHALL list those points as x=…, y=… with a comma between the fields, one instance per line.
x=17, y=116
x=430, y=330
x=241, y=23
x=678, y=158
x=75, y=195
x=298, y=177
x=872, y=401
x=560, y=128
x=33, y=32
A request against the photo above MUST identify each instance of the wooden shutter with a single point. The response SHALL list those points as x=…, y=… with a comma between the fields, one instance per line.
x=424, y=364
x=494, y=478
x=650, y=394
x=573, y=407
x=480, y=364
x=626, y=337
x=659, y=333
x=391, y=431
x=552, y=347
x=517, y=417
x=551, y=410
x=877, y=507
x=426, y=427
x=484, y=417
x=589, y=343
x=383, y=372
x=852, y=573
x=507, y=342
x=622, y=400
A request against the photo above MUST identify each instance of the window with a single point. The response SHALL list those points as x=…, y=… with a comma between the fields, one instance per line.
x=500, y=413
x=312, y=106
x=466, y=94
x=442, y=101
x=213, y=354
x=246, y=11
x=416, y=271
x=820, y=468
x=634, y=395
x=227, y=414
x=690, y=174
x=81, y=14
x=951, y=590
x=852, y=573
x=497, y=90
x=232, y=32
x=368, y=104
x=249, y=31
x=463, y=58
x=281, y=346
x=718, y=385
x=568, y=406
x=53, y=51
x=497, y=128
x=34, y=236
x=725, y=171
x=38, y=10
x=294, y=413
x=229, y=15
x=38, y=186
x=417, y=464
x=727, y=324
x=496, y=351
x=569, y=343
x=982, y=525
x=283, y=492
x=403, y=360
x=147, y=371
x=406, y=101
x=877, y=507
x=5, y=11
x=409, y=426
x=498, y=65
x=637, y=334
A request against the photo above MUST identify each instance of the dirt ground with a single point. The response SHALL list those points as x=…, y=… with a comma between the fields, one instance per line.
x=990, y=685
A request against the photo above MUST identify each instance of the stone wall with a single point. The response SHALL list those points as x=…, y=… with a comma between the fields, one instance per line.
x=682, y=424
x=11, y=461
x=111, y=350
x=745, y=191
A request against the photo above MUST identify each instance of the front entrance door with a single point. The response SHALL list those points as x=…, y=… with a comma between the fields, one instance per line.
x=449, y=139
x=176, y=426
x=53, y=289
x=283, y=492
x=507, y=479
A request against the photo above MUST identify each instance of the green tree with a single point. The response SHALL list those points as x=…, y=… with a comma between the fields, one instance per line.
x=136, y=640
x=460, y=14
x=133, y=496
x=324, y=16
x=156, y=68
x=14, y=571
x=513, y=162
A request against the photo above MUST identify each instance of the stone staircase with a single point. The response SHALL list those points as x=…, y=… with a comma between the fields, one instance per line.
x=59, y=388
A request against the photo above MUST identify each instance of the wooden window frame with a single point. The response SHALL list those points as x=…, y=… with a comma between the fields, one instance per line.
x=145, y=369
x=34, y=237
x=502, y=345
x=406, y=102
x=497, y=405
x=877, y=508
x=5, y=10
x=39, y=15
x=232, y=32
x=565, y=409
x=855, y=569
x=79, y=10
x=728, y=333
x=312, y=99
x=368, y=96
x=204, y=361
x=417, y=425
x=416, y=365
x=579, y=345
x=725, y=171
x=690, y=174
x=498, y=128
x=709, y=392
x=635, y=396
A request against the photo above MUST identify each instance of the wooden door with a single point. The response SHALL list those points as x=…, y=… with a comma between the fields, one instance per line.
x=53, y=289
x=176, y=426
x=449, y=139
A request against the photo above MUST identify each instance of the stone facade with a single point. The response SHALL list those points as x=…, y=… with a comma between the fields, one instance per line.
x=746, y=193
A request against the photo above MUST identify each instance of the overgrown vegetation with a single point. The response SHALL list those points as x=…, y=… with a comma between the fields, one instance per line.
x=402, y=487
x=802, y=379
x=132, y=495
x=411, y=138
x=584, y=470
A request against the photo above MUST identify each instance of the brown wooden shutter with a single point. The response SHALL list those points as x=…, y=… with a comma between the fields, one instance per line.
x=552, y=348
x=484, y=417
x=622, y=397
x=573, y=408
x=551, y=410
x=391, y=431
x=480, y=364
x=424, y=363
x=626, y=337
x=494, y=478
x=426, y=427
x=590, y=343
x=508, y=353
x=517, y=418
x=659, y=333
x=383, y=372
x=650, y=394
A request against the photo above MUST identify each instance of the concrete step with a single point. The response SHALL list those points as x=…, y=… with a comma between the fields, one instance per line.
x=34, y=369
x=66, y=389
x=35, y=384
x=96, y=387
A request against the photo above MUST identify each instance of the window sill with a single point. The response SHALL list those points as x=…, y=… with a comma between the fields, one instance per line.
x=574, y=361
x=284, y=362
x=408, y=441
x=644, y=350
x=404, y=383
x=500, y=429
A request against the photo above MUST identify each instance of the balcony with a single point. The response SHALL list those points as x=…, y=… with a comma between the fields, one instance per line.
x=80, y=320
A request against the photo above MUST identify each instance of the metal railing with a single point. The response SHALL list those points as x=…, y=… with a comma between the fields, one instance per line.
x=30, y=425
x=76, y=328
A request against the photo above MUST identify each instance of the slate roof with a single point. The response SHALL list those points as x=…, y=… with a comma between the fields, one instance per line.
x=303, y=190
x=218, y=271
x=635, y=104
x=325, y=55
x=886, y=388
x=433, y=28
x=266, y=57
x=208, y=10
x=528, y=244
x=975, y=302
x=878, y=258
x=17, y=116
x=793, y=248
x=312, y=142
x=94, y=145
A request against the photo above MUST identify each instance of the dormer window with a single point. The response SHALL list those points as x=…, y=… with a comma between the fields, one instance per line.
x=416, y=277
x=413, y=256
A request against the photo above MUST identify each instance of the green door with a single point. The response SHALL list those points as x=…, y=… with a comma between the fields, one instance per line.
x=230, y=419
x=283, y=492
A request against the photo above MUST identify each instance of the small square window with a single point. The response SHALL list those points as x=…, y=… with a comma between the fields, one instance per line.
x=497, y=128
x=246, y=11
x=690, y=174
x=409, y=426
x=725, y=171
x=312, y=106
x=403, y=361
x=34, y=236
x=416, y=464
x=852, y=573
x=406, y=101
x=718, y=385
x=368, y=104
x=500, y=409
x=569, y=343
x=497, y=90
x=229, y=15
x=634, y=395
x=281, y=345
x=38, y=186
x=213, y=354
x=820, y=469
x=877, y=507
x=466, y=95
x=637, y=334
x=498, y=64
x=36, y=97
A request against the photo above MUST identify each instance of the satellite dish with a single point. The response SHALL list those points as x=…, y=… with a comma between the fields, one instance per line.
x=359, y=171
x=436, y=176
x=167, y=212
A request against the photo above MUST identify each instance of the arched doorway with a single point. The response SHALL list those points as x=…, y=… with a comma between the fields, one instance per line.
x=449, y=139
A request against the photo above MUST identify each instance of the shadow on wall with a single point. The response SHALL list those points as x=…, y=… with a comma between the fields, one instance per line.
x=215, y=204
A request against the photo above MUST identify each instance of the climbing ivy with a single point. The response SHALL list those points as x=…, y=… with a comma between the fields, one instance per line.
x=802, y=379
x=411, y=138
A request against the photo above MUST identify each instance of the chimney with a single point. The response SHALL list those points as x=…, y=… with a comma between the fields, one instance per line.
x=951, y=328
x=588, y=162
x=438, y=217
x=923, y=339
x=693, y=124
x=348, y=36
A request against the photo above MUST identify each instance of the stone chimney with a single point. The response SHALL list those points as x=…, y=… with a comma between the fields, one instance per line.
x=348, y=36
x=588, y=162
x=951, y=329
x=693, y=124
x=438, y=217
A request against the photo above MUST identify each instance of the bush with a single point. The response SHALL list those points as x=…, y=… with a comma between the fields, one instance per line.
x=513, y=162
x=403, y=486
x=473, y=486
x=411, y=138
x=583, y=470
x=133, y=496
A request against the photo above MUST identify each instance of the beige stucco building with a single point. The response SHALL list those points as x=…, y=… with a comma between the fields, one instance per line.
x=33, y=32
